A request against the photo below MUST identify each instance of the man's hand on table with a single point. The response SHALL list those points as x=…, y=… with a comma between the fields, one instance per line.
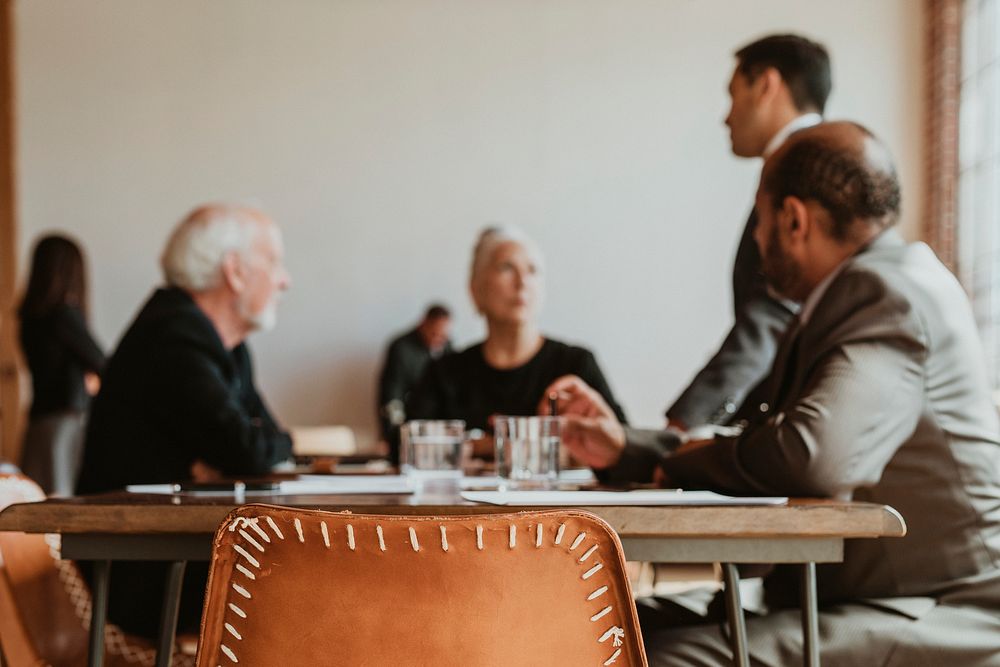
x=590, y=429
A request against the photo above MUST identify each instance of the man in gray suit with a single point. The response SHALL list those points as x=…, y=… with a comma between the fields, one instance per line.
x=780, y=85
x=878, y=393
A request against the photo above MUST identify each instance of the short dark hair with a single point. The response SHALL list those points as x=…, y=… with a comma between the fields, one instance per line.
x=804, y=66
x=850, y=184
x=57, y=278
x=436, y=311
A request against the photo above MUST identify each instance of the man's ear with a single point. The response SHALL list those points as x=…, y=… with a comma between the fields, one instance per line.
x=233, y=273
x=768, y=83
x=796, y=217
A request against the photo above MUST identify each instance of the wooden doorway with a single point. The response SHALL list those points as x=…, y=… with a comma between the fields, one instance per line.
x=10, y=405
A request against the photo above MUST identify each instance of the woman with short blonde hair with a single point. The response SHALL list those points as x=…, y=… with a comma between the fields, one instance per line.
x=508, y=372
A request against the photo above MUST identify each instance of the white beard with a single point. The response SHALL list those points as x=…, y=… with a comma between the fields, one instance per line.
x=264, y=320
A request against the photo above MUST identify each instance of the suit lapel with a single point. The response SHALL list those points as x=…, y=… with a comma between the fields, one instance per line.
x=785, y=365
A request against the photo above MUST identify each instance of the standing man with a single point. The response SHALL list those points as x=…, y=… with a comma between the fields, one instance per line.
x=780, y=85
x=405, y=360
x=178, y=398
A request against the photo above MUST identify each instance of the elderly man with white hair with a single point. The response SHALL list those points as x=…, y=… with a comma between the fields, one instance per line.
x=178, y=394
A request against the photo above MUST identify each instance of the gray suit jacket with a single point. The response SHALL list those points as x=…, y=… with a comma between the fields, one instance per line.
x=747, y=352
x=882, y=397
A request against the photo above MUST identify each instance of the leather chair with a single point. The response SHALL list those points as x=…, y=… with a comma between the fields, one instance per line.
x=300, y=587
x=44, y=602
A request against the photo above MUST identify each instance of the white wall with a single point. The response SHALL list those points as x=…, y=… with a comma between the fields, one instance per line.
x=383, y=135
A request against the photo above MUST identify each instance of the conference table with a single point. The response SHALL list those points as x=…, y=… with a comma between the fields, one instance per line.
x=179, y=528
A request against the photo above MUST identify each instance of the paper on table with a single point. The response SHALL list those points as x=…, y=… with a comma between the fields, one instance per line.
x=348, y=484
x=573, y=476
x=651, y=497
x=306, y=484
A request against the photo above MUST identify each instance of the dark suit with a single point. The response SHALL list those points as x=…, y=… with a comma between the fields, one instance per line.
x=172, y=394
x=881, y=396
x=747, y=352
x=406, y=359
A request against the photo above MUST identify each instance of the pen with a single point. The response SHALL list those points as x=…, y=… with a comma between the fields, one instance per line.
x=553, y=407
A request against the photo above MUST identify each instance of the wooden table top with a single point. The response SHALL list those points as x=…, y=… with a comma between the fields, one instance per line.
x=142, y=514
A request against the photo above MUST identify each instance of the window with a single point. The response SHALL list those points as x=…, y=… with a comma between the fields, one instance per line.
x=979, y=171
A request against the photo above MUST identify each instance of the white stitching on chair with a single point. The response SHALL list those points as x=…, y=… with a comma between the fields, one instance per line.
x=233, y=632
x=444, y=539
x=229, y=652
x=381, y=539
x=246, y=554
x=350, y=537
x=274, y=527
x=326, y=533
x=613, y=631
x=576, y=542
x=602, y=613
x=559, y=533
x=298, y=529
x=256, y=545
x=598, y=593
x=413, y=540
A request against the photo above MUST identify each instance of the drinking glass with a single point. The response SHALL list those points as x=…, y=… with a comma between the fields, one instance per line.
x=431, y=448
x=527, y=451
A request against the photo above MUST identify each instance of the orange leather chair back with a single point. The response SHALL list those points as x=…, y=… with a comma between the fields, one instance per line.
x=300, y=587
x=44, y=602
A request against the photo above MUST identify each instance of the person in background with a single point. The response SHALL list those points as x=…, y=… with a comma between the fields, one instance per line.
x=406, y=359
x=878, y=394
x=64, y=361
x=178, y=400
x=507, y=373
x=780, y=84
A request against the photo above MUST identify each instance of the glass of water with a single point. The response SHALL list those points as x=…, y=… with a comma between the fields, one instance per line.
x=431, y=448
x=527, y=451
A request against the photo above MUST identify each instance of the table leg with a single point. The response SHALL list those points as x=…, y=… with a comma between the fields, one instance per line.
x=99, y=612
x=734, y=613
x=168, y=617
x=810, y=617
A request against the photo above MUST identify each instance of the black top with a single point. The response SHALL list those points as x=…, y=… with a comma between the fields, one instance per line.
x=171, y=394
x=406, y=359
x=59, y=351
x=463, y=386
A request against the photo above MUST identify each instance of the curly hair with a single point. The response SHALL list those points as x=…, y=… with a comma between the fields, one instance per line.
x=849, y=183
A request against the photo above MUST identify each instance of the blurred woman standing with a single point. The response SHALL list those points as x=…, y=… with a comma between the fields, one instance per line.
x=64, y=361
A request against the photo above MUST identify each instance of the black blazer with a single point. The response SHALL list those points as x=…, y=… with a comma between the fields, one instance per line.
x=172, y=394
x=746, y=354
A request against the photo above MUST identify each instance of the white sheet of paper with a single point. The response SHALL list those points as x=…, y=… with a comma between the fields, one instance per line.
x=348, y=484
x=653, y=497
x=573, y=476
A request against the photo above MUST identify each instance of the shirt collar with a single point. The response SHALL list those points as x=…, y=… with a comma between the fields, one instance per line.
x=800, y=123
